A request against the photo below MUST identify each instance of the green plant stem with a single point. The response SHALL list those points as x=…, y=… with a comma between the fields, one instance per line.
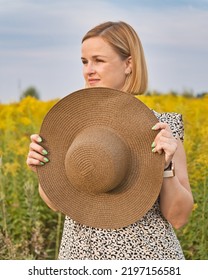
x=58, y=233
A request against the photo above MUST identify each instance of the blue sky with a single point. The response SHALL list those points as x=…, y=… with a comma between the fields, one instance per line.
x=40, y=43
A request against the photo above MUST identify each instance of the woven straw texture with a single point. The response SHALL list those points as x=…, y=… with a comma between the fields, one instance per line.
x=118, y=178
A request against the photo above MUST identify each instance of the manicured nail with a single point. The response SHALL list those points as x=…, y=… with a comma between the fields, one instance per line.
x=153, y=145
x=46, y=159
x=44, y=152
x=41, y=163
x=39, y=139
x=154, y=127
x=153, y=150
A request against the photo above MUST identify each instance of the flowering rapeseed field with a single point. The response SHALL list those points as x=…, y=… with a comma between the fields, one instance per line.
x=30, y=230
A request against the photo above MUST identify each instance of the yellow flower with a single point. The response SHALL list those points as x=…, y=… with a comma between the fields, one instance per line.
x=195, y=206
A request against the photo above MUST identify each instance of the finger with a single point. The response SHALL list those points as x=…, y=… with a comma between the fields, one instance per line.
x=161, y=125
x=164, y=136
x=33, y=157
x=34, y=160
x=168, y=147
x=165, y=140
x=36, y=138
x=37, y=148
x=31, y=162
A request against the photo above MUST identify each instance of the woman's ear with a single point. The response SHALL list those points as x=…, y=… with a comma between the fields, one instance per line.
x=128, y=69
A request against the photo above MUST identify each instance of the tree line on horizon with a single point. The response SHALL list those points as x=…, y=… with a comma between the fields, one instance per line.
x=33, y=92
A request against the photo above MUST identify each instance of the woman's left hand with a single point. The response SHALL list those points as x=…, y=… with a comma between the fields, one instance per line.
x=164, y=142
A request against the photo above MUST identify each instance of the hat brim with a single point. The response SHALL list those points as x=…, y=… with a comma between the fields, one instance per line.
x=133, y=120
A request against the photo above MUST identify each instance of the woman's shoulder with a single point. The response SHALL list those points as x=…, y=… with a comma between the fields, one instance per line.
x=175, y=121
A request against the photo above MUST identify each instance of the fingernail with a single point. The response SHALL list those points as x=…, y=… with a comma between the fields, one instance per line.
x=46, y=159
x=44, y=152
x=41, y=163
x=39, y=139
x=153, y=150
x=153, y=145
x=154, y=127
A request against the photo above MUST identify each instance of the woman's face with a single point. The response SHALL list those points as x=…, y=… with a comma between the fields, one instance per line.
x=102, y=66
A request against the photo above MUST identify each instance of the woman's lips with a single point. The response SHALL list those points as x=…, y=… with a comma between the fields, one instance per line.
x=93, y=81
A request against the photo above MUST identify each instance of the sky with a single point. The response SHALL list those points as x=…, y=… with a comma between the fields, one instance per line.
x=40, y=43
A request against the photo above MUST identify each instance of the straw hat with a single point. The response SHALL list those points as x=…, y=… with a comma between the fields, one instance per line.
x=102, y=172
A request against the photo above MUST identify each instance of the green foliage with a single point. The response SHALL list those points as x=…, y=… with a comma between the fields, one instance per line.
x=194, y=235
x=31, y=91
x=30, y=230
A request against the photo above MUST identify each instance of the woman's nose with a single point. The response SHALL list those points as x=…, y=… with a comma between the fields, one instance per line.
x=90, y=69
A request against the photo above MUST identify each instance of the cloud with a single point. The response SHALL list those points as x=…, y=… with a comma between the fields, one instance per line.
x=40, y=42
x=50, y=24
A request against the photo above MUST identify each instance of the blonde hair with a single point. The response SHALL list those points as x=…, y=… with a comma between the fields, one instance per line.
x=125, y=41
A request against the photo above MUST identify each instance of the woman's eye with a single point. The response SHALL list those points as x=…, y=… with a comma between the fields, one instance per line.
x=84, y=61
x=98, y=60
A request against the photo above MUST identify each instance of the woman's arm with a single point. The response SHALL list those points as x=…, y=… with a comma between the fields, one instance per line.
x=176, y=200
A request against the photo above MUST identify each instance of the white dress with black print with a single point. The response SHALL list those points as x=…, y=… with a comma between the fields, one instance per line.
x=150, y=238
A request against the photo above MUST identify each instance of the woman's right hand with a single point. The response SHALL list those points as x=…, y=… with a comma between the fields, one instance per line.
x=37, y=154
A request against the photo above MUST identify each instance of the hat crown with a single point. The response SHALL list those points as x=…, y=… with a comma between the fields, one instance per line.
x=97, y=161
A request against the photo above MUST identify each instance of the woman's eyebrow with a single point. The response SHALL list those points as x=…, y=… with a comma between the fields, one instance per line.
x=96, y=56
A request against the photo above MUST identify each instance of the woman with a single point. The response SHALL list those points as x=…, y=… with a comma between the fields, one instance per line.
x=112, y=56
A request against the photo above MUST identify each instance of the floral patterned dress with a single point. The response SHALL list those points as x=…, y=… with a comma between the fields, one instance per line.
x=150, y=238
